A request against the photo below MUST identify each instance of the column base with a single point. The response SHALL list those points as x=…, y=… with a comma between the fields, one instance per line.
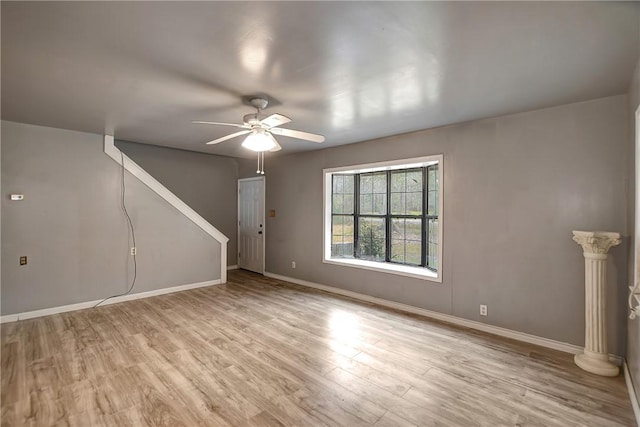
x=596, y=366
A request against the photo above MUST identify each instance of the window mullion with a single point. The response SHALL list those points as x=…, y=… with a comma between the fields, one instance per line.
x=388, y=220
x=333, y=185
x=356, y=214
x=425, y=223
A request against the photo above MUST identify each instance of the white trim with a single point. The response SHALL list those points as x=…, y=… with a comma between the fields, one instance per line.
x=634, y=304
x=232, y=267
x=223, y=261
x=90, y=304
x=386, y=267
x=413, y=162
x=495, y=330
x=632, y=392
x=415, y=272
x=132, y=167
x=264, y=225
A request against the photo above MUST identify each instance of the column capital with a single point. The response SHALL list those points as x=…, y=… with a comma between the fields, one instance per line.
x=596, y=242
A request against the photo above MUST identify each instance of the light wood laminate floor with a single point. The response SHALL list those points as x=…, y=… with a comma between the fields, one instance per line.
x=261, y=352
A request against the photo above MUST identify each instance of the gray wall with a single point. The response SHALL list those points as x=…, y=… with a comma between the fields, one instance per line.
x=207, y=183
x=514, y=188
x=72, y=228
x=633, y=333
x=247, y=167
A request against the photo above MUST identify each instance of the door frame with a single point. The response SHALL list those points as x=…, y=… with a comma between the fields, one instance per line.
x=633, y=301
x=264, y=226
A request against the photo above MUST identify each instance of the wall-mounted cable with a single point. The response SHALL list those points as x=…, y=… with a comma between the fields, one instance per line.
x=133, y=234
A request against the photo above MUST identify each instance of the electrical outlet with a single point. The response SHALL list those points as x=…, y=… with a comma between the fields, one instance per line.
x=483, y=310
x=133, y=251
x=293, y=264
x=23, y=260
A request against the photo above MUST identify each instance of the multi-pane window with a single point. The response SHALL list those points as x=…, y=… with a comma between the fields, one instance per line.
x=371, y=239
x=407, y=194
x=432, y=218
x=342, y=210
x=387, y=216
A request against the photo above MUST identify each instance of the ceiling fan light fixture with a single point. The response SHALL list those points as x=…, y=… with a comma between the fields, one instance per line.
x=258, y=140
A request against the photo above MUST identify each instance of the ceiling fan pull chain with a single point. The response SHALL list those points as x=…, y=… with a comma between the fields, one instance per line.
x=260, y=163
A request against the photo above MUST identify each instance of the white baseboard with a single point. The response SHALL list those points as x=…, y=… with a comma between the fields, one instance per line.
x=232, y=267
x=90, y=304
x=496, y=330
x=632, y=392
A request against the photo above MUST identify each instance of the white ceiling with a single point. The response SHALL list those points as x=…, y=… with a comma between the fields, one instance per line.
x=351, y=71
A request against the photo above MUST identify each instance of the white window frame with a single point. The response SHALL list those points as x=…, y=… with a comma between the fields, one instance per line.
x=390, y=268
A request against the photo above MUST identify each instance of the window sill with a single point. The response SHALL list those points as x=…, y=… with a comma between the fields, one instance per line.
x=397, y=269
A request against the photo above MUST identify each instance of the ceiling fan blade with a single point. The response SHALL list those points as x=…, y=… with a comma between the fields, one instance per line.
x=298, y=134
x=224, y=138
x=221, y=124
x=277, y=147
x=275, y=120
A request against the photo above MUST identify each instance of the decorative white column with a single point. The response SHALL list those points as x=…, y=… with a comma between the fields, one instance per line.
x=595, y=245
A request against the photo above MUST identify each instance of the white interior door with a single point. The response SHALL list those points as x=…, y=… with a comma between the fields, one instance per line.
x=251, y=224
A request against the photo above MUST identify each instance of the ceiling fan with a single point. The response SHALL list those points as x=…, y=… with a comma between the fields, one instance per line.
x=260, y=130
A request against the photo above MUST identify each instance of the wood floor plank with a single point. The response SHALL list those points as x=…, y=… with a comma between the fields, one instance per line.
x=13, y=372
x=407, y=411
x=261, y=352
x=391, y=420
x=264, y=419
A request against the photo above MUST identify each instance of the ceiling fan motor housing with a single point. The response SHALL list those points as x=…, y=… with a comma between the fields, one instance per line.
x=259, y=103
x=252, y=119
x=255, y=118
